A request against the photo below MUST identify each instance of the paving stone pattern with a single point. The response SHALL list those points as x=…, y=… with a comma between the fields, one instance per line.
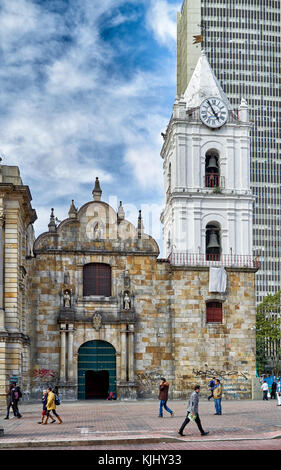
x=135, y=425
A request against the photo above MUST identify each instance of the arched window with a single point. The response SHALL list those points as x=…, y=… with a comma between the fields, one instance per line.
x=212, y=170
x=214, y=312
x=97, y=279
x=213, y=242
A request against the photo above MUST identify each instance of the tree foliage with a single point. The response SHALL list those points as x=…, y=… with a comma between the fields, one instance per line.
x=268, y=326
x=268, y=320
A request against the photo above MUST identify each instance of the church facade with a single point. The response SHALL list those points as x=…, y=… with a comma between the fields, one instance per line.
x=104, y=313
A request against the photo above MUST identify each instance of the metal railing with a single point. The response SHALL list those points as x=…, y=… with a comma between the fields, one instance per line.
x=214, y=181
x=199, y=259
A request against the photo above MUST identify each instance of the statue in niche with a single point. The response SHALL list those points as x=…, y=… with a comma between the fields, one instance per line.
x=67, y=298
x=96, y=231
x=127, y=301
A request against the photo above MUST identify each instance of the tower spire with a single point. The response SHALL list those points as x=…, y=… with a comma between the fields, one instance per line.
x=72, y=213
x=121, y=212
x=203, y=84
x=97, y=192
x=52, y=224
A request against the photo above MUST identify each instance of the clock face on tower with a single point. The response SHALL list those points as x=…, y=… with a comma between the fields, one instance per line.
x=213, y=112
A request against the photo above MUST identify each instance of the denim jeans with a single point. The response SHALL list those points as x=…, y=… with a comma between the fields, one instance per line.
x=218, y=405
x=164, y=403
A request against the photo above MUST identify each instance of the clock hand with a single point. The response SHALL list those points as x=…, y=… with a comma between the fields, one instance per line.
x=213, y=110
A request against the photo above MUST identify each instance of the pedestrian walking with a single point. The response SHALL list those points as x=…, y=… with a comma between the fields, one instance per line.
x=51, y=407
x=9, y=401
x=278, y=390
x=192, y=412
x=264, y=388
x=16, y=394
x=211, y=386
x=44, y=410
x=218, y=396
x=273, y=390
x=163, y=397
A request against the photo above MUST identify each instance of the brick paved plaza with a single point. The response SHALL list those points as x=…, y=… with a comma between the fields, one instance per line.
x=123, y=425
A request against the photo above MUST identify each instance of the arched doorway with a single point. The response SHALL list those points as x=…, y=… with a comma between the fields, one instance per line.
x=96, y=370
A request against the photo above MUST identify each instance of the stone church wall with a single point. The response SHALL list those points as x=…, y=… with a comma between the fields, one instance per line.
x=171, y=336
x=163, y=332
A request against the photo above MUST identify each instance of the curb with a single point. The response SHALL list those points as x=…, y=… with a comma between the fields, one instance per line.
x=125, y=441
x=86, y=442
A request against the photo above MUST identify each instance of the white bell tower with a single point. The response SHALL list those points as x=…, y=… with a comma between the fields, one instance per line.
x=206, y=160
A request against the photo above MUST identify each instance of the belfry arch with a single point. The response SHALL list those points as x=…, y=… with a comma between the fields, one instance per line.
x=212, y=169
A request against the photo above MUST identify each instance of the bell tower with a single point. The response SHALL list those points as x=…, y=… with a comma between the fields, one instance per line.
x=206, y=164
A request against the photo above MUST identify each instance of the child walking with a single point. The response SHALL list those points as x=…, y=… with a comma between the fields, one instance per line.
x=51, y=407
x=44, y=410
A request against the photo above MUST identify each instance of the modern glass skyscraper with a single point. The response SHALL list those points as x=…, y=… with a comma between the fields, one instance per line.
x=242, y=43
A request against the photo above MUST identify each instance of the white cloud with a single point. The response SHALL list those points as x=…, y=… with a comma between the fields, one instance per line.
x=162, y=20
x=65, y=75
x=67, y=118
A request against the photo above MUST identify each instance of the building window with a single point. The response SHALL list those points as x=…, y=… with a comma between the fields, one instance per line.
x=97, y=279
x=214, y=312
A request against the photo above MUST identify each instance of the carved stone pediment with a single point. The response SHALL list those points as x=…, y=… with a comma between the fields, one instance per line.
x=97, y=321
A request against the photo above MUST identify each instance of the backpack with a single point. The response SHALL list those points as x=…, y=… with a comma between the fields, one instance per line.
x=57, y=400
x=19, y=392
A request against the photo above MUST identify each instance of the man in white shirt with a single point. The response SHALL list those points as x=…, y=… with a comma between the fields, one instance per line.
x=264, y=388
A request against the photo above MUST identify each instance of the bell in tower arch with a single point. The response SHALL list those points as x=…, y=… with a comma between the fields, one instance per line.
x=213, y=247
x=213, y=164
x=212, y=171
x=213, y=241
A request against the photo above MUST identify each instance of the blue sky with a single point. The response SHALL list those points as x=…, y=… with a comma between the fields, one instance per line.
x=86, y=88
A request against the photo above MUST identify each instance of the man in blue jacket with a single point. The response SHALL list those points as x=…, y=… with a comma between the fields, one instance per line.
x=192, y=412
x=211, y=385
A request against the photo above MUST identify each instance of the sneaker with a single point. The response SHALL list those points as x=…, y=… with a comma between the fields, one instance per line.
x=204, y=433
x=181, y=434
x=7, y=417
x=160, y=416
